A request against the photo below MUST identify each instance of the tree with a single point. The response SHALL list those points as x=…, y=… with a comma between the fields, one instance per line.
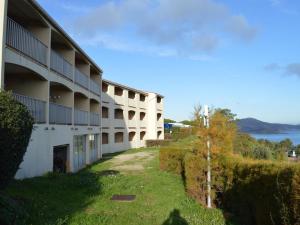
x=169, y=121
x=16, y=125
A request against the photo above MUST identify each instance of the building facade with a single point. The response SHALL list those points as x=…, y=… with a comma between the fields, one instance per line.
x=78, y=115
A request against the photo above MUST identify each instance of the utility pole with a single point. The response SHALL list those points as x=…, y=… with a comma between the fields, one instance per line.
x=206, y=124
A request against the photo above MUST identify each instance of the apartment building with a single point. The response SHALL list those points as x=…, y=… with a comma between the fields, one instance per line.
x=78, y=115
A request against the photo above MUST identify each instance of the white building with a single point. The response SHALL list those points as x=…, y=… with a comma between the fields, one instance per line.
x=78, y=116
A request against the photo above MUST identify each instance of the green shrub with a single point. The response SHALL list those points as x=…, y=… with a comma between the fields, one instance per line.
x=16, y=125
x=155, y=143
x=262, y=193
x=195, y=168
x=11, y=211
x=257, y=192
x=171, y=159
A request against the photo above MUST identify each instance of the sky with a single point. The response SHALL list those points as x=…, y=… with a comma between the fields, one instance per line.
x=241, y=55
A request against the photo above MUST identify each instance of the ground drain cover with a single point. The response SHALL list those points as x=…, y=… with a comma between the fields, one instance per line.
x=123, y=198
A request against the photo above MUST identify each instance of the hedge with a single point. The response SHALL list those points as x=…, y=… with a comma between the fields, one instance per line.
x=155, y=143
x=16, y=125
x=171, y=159
x=256, y=192
x=261, y=192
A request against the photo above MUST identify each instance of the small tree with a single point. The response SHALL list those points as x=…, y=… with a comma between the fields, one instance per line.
x=16, y=125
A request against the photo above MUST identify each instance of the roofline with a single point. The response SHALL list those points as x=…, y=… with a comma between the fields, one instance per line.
x=129, y=88
x=125, y=87
x=43, y=12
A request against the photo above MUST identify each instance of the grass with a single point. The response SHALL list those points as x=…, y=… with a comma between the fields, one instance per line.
x=84, y=198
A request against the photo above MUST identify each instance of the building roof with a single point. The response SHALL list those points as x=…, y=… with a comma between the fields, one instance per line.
x=39, y=8
x=129, y=88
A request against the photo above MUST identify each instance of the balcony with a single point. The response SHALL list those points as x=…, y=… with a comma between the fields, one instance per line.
x=61, y=66
x=81, y=117
x=81, y=79
x=24, y=41
x=94, y=119
x=37, y=108
x=60, y=114
x=94, y=87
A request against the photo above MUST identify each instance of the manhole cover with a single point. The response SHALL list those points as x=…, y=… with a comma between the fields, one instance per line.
x=123, y=198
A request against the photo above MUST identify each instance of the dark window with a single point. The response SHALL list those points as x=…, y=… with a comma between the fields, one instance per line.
x=105, y=112
x=131, y=95
x=158, y=116
x=104, y=87
x=118, y=91
x=105, y=138
x=119, y=137
x=158, y=99
x=142, y=135
x=142, y=98
x=142, y=116
x=119, y=114
x=131, y=136
x=131, y=114
x=159, y=133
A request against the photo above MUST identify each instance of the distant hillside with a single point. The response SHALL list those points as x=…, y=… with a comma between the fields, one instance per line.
x=251, y=125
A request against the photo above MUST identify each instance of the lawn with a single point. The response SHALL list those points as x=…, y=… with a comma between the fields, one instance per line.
x=84, y=198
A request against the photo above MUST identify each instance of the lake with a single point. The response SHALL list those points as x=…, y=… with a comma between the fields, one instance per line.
x=294, y=135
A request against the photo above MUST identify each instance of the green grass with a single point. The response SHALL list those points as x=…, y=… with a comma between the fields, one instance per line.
x=84, y=198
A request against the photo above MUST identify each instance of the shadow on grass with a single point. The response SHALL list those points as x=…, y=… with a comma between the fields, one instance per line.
x=175, y=219
x=56, y=197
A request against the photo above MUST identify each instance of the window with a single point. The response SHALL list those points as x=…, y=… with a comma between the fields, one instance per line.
x=105, y=140
x=131, y=136
x=131, y=95
x=142, y=116
x=105, y=112
x=104, y=87
x=159, y=133
x=119, y=137
x=119, y=114
x=118, y=91
x=142, y=135
x=158, y=116
x=158, y=99
x=131, y=114
x=142, y=98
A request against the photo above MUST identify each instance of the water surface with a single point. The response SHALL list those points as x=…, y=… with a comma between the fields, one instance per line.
x=294, y=135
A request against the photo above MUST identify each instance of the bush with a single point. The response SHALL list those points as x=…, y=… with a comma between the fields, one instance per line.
x=195, y=168
x=262, y=193
x=15, y=129
x=11, y=211
x=155, y=143
x=171, y=159
x=255, y=191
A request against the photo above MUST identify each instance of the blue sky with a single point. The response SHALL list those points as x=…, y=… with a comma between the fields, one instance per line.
x=242, y=55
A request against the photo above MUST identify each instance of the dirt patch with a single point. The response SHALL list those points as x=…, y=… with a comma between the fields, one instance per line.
x=131, y=162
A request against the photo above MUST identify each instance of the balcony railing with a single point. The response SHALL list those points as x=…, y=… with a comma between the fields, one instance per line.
x=94, y=87
x=60, y=65
x=24, y=41
x=60, y=114
x=37, y=108
x=81, y=117
x=81, y=79
x=94, y=119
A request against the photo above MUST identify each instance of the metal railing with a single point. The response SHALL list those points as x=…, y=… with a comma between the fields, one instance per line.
x=94, y=119
x=94, y=87
x=59, y=114
x=24, y=41
x=81, y=79
x=81, y=117
x=61, y=65
x=37, y=108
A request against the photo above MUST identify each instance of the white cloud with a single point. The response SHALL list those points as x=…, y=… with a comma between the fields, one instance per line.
x=189, y=26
